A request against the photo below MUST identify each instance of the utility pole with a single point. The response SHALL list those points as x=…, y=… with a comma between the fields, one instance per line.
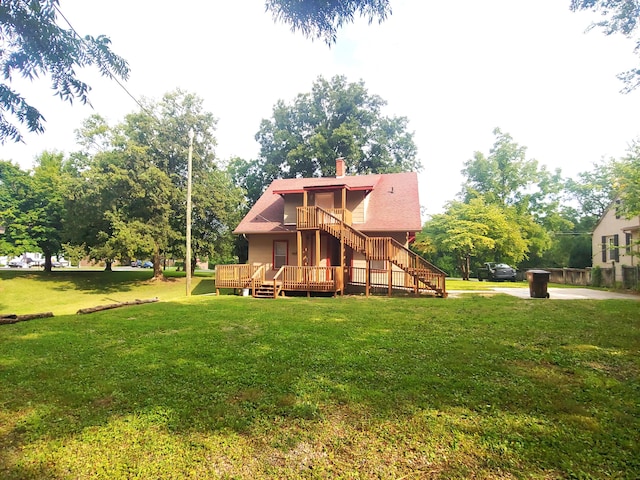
x=187, y=260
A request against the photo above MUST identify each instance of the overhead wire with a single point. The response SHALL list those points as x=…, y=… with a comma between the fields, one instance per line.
x=111, y=76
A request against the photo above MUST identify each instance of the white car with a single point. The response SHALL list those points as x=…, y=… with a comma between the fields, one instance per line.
x=18, y=264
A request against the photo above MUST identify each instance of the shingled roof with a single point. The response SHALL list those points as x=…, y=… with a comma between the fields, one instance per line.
x=393, y=204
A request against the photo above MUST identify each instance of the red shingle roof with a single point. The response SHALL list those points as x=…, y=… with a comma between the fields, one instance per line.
x=393, y=203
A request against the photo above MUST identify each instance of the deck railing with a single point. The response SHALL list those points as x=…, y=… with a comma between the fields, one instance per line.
x=313, y=217
x=236, y=276
x=258, y=278
x=310, y=279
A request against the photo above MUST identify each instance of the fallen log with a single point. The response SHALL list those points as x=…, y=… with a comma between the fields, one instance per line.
x=9, y=318
x=115, y=305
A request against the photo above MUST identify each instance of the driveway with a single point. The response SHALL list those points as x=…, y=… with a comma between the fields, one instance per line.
x=570, y=294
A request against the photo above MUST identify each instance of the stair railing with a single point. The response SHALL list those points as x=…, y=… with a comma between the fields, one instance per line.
x=375, y=248
x=277, y=276
x=257, y=278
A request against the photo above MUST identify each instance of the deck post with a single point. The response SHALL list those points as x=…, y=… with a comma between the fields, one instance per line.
x=299, y=238
x=390, y=280
x=341, y=267
x=367, y=284
x=317, y=248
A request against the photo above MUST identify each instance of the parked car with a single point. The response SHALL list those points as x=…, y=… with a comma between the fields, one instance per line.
x=147, y=264
x=136, y=263
x=17, y=263
x=496, y=272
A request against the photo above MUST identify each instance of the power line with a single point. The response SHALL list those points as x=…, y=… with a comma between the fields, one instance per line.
x=110, y=75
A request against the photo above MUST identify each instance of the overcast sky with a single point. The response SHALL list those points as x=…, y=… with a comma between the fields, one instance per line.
x=456, y=70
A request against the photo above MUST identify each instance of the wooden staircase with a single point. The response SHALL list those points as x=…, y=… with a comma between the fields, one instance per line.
x=265, y=290
x=426, y=275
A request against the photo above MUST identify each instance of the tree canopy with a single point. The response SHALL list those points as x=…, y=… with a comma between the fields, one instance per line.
x=34, y=44
x=617, y=16
x=323, y=19
x=508, y=207
x=32, y=206
x=336, y=119
x=129, y=195
x=627, y=175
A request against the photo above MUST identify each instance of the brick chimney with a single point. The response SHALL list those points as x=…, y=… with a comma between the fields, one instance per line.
x=339, y=167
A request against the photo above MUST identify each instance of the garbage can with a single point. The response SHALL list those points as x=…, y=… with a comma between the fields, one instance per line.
x=538, y=280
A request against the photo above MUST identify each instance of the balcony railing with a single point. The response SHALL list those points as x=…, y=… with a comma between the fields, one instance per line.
x=309, y=218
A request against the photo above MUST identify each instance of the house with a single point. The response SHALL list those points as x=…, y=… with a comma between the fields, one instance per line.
x=344, y=233
x=615, y=241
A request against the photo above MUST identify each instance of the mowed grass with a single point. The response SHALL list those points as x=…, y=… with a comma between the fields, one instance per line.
x=66, y=291
x=232, y=387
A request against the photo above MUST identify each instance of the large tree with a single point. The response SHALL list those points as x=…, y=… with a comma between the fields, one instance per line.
x=35, y=44
x=593, y=190
x=617, y=16
x=130, y=193
x=336, y=119
x=32, y=206
x=15, y=185
x=322, y=19
x=475, y=229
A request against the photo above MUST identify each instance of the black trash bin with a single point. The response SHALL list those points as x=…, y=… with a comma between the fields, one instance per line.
x=538, y=280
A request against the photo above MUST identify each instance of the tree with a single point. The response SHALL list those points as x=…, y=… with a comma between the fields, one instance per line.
x=531, y=194
x=594, y=190
x=34, y=45
x=504, y=177
x=627, y=174
x=475, y=229
x=129, y=198
x=32, y=205
x=618, y=16
x=323, y=19
x=14, y=186
x=140, y=220
x=337, y=119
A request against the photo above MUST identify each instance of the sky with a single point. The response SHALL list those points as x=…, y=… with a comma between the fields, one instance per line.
x=456, y=70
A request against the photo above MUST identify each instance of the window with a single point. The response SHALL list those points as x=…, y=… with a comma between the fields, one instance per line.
x=614, y=253
x=628, y=242
x=280, y=253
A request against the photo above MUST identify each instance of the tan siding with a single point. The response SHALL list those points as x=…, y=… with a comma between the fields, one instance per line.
x=261, y=249
x=356, y=203
x=609, y=226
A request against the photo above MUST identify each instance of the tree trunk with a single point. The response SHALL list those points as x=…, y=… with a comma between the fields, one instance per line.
x=47, y=261
x=157, y=266
x=108, y=265
x=194, y=262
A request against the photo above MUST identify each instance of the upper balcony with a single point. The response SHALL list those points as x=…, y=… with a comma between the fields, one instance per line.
x=308, y=217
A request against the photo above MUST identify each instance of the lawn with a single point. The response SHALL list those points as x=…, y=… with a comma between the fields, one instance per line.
x=232, y=387
x=66, y=291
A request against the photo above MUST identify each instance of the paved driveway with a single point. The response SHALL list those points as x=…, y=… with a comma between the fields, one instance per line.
x=570, y=293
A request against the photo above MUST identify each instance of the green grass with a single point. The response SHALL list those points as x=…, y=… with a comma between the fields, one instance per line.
x=66, y=291
x=232, y=387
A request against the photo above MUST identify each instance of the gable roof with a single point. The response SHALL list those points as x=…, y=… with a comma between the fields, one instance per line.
x=393, y=203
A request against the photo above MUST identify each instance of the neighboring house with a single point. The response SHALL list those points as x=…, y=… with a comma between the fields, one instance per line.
x=615, y=241
x=334, y=234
